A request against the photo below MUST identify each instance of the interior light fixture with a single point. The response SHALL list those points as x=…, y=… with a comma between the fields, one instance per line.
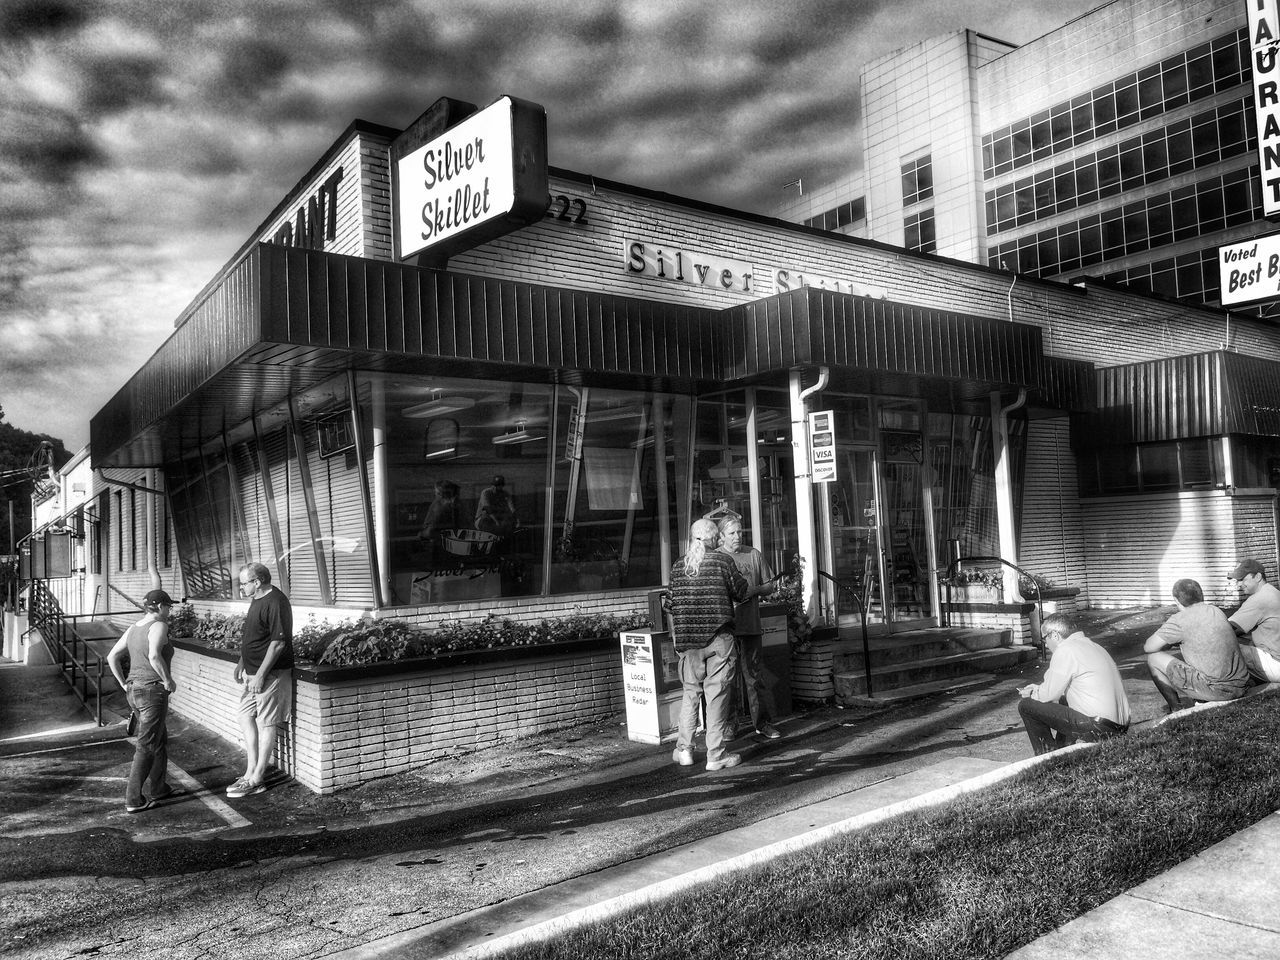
x=518, y=434
x=438, y=406
x=605, y=414
x=763, y=418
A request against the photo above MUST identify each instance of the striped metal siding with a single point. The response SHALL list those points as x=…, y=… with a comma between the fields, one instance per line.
x=1052, y=531
x=812, y=326
x=323, y=300
x=1202, y=395
x=1136, y=548
x=217, y=331
x=1067, y=385
x=1251, y=395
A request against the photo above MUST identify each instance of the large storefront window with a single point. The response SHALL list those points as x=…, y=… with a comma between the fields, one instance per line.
x=507, y=489
x=283, y=490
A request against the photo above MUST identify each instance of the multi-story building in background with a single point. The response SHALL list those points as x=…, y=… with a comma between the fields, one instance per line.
x=1118, y=147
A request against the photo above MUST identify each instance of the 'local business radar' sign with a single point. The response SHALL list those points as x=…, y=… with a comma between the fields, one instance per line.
x=1264, y=34
x=481, y=178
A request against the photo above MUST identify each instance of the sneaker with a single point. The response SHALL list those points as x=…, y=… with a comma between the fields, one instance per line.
x=168, y=793
x=139, y=807
x=683, y=756
x=728, y=760
x=237, y=784
x=769, y=731
x=243, y=788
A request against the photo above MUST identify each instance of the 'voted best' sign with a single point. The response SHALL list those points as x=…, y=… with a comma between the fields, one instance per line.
x=1249, y=271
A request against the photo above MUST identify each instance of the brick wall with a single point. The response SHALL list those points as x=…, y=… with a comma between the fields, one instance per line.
x=353, y=729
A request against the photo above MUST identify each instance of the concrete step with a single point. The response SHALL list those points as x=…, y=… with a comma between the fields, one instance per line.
x=916, y=645
x=917, y=691
x=896, y=675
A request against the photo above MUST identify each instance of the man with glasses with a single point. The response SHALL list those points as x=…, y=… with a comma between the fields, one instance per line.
x=266, y=670
x=1081, y=697
x=1257, y=620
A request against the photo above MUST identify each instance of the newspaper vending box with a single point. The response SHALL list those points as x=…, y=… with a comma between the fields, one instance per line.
x=651, y=685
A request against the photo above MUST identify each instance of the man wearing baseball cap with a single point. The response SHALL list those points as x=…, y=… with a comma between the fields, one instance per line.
x=1257, y=620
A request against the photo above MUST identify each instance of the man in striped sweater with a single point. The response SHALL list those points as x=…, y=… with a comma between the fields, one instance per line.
x=705, y=585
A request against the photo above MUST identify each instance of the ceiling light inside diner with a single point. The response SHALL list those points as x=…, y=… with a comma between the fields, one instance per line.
x=438, y=406
x=518, y=434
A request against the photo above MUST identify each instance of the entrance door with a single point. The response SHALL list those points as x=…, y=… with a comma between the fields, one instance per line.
x=877, y=516
x=906, y=514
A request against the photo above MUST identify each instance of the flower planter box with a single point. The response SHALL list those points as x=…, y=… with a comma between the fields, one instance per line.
x=355, y=724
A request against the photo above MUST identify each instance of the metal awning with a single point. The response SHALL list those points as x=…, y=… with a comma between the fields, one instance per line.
x=1176, y=398
x=281, y=319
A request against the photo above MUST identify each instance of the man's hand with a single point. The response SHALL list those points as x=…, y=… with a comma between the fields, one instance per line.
x=239, y=673
x=255, y=683
x=171, y=685
x=1027, y=691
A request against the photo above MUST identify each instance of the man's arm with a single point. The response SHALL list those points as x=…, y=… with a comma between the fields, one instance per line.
x=1246, y=618
x=274, y=649
x=115, y=656
x=1057, y=679
x=1169, y=635
x=156, y=637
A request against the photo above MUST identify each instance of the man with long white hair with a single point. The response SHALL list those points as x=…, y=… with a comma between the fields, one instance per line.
x=705, y=585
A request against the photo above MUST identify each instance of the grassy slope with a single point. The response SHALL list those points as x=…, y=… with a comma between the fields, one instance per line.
x=987, y=873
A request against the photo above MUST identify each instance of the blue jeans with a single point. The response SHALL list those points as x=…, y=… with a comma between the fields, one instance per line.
x=151, y=753
x=1051, y=726
x=710, y=671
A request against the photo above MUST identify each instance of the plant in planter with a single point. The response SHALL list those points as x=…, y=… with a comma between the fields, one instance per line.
x=791, y=592
x=364, y=641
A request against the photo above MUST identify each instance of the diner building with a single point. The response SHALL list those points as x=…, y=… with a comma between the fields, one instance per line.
x=406, y=410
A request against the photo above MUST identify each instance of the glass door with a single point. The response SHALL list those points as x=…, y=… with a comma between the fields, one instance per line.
x=856, y=554
x=906, y=514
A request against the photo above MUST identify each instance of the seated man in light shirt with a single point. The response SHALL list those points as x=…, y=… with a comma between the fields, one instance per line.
x=1258, y=620
x=1081, y=697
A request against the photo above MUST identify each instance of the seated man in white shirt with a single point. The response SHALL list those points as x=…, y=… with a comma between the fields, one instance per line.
x=1257, y=620
x=1081, y=697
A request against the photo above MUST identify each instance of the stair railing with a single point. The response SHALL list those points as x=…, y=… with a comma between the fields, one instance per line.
x=862, y=612
x=84, y=669
x=954, y=567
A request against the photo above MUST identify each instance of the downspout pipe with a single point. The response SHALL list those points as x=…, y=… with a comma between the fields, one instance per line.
x=1004, y=487
x=806, y=533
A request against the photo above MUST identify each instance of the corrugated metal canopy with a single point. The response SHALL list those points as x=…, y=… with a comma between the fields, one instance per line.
x=284, y=318
x=1176, y=398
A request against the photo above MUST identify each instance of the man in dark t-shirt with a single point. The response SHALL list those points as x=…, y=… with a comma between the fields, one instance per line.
x=266, y=670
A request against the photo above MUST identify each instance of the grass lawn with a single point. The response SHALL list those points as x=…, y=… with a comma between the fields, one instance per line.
x=986, y=873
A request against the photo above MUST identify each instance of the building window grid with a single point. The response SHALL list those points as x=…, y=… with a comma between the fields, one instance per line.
x=1184, y=78
x=917, y=180
x=1207, y=138
x=919, y=233
x=841, y=216
x=1217, y=203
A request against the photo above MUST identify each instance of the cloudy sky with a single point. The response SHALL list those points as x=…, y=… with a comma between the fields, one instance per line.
x=141, y=141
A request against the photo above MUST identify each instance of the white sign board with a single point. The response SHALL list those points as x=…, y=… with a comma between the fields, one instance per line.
x=1264, y=34
x=822, y=446
x=459, y=180
x=1249, y=271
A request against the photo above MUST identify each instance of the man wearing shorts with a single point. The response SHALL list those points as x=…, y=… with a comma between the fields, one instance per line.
x=1208, y=666
x=266, y=670
x=1258, y=620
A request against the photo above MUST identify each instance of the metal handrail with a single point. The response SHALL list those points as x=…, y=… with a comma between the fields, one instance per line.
x=862, y=610
x=80, y=665
x=954, y=567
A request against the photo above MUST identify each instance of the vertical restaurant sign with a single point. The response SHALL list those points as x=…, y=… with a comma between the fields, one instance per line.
x=822, y=446
x=480, y=179
x=1264, y=34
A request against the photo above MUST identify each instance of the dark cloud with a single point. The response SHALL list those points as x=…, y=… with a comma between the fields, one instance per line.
x=252, y=69
x=113, y=84
x=22, y=20
x=50, y=146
